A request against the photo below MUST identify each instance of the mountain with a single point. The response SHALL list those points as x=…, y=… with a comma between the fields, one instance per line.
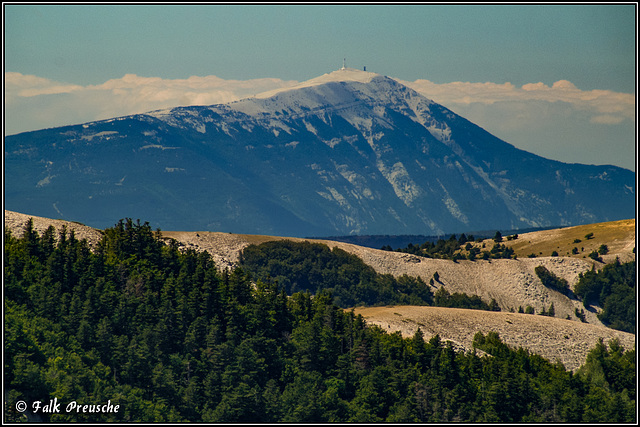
x=349, y=152
x=510, y=282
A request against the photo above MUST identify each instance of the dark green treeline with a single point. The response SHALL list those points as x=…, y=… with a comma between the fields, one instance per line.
x=165, y=336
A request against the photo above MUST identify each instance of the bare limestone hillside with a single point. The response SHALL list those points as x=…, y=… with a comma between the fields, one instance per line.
x=552, y=338
x=512, y=283
x=15, y=222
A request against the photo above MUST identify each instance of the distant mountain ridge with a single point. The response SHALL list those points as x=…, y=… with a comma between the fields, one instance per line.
x=347, y=153
x=402, y=241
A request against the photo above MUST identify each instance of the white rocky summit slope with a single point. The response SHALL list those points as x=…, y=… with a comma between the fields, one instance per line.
x=341, y=75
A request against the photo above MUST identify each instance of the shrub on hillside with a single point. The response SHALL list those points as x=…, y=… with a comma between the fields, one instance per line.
x=550, y=280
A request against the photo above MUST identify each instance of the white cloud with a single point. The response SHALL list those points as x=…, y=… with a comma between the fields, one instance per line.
x=19, y=85
x=607, y=119
x=33, y=102
x=604, y=106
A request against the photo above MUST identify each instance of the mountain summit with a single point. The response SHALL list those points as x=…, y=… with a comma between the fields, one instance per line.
x=349, y=152
x=341, y=75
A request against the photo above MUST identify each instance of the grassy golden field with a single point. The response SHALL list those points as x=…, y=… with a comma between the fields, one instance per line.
x=618, y=236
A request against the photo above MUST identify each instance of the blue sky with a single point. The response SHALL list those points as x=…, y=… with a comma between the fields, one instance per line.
x=590, y=46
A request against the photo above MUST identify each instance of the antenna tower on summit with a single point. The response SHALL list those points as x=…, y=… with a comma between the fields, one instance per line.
x=344, y=64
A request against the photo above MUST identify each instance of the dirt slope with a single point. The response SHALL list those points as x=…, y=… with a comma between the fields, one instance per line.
x=552, y=338
x=14, y=222
x=512, y=283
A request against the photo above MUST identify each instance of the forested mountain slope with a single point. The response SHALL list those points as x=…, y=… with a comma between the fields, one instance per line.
x=160, y=333
x=513, y=283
